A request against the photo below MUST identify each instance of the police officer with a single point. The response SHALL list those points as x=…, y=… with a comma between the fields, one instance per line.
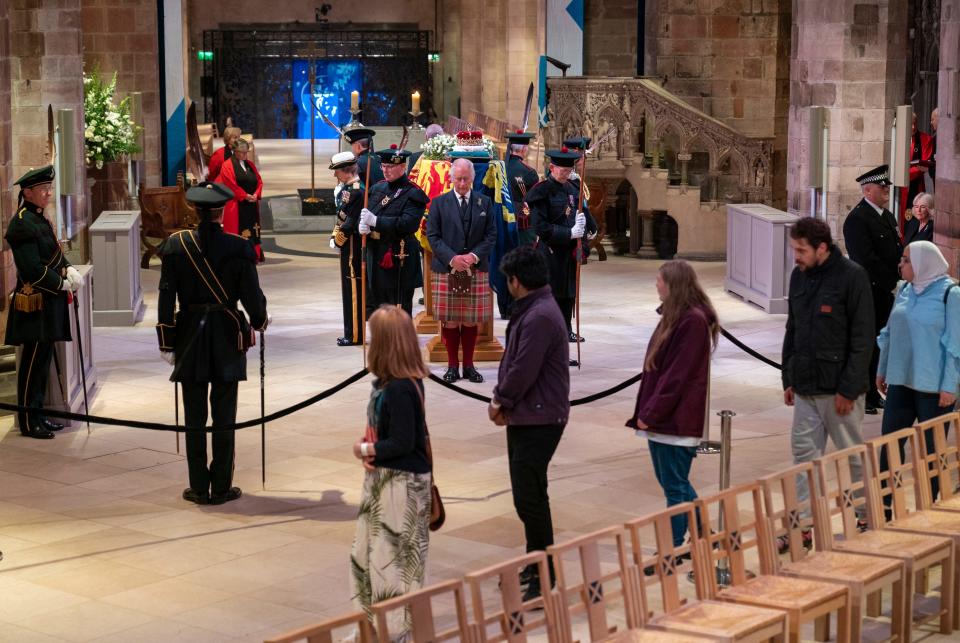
x=349, y=200
x=521, y=178
x=559, y=224
x=360, y=139
x=39, y=315
x=208, y=271
x=396, y=207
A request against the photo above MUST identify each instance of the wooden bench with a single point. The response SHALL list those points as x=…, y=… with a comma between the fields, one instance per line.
x=163, y=211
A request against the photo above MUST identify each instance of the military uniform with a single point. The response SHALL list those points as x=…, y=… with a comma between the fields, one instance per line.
x=393, y=252
x=209, y=336
x=349, y=202
x=521, y=178
x=366, y=156
x=39, y=312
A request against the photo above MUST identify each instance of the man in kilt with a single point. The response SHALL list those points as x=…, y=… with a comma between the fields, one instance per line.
x=462, y=231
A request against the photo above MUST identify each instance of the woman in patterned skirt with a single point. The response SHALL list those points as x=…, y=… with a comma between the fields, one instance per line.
x=389, y=556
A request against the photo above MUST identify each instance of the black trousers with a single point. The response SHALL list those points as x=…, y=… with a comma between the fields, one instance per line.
x=567, y=305
x=350, y=291
x=218, y=477
x=529, y=451
x=376, y=297
x=882, y=305
x=32, y=380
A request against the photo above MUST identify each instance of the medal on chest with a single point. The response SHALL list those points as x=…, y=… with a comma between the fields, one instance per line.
x=566, y=212
x=388, y=199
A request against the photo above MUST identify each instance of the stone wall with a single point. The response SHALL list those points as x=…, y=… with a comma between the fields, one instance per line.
x=851, y=59
x=729, y=59
x=121, y=36
x=610, y=38
x=947, y=222
x=7, y=201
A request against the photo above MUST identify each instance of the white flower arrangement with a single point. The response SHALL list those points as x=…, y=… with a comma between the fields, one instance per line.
x=109, y=133
x=437, y=148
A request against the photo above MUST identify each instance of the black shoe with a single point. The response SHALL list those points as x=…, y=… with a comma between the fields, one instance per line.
x=533, y=589
x=50, y=425
x=452, y=374
x=651, y=570
x=869, y=409
x=880, y=403
x=574, y=362
x=573, y=337
x=470, y=373
x=38, y=432
x=343, y=341
x=190, y=495
x=862, y=525
x=783, y=542
x=231, y=494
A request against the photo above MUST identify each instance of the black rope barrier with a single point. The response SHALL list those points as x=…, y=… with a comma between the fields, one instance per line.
x=583, y=400
x=749, y=351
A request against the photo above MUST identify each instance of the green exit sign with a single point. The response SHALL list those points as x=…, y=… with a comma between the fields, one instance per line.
x=433, y=57
x=204, y=56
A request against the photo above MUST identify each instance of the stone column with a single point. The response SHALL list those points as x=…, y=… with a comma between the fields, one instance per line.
x=851, y=59
x=947, y=222
x=7, y=200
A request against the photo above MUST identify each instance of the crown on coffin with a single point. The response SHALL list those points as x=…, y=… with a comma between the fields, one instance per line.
x=470, y=138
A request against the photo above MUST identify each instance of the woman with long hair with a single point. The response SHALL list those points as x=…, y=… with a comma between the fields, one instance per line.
x=672, y=401
x=389, y=556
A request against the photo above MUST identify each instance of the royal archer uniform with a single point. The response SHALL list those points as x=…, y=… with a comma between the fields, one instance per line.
x=204, y=273
x=349, y=201
x=376, y=171
x=39, y=312
x=521, y=178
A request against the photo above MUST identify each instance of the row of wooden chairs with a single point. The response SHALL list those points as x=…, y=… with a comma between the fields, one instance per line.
x=609, y=577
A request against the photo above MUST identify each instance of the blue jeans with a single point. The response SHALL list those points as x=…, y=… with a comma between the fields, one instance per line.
x=904, y=407
x=671, y=465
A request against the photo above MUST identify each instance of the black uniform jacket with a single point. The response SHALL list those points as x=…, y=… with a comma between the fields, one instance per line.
x=399, y=206
x=873, y=241
x=521, y=178
x=553, y=212
x=350, y=203
x=830, y=329
x=376, y=170
x=447, y=236
x=205, y=334
x=41, y=267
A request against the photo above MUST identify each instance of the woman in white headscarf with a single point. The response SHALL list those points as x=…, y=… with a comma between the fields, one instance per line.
x=919, y=367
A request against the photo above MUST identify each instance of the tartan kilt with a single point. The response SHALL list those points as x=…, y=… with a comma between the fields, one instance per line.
x=472, y=308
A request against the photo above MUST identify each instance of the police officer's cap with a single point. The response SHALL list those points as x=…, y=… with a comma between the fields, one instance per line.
x=209, y=196
x=519, y=137
x=36, y=177
x=563, y=157
x=341, y=160
x=358, y=133
x=578, y=143
x=393, y=156
x=879, y=175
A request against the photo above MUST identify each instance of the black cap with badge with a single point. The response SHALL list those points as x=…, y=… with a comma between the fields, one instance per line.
x=563, y=157
x=358, y=133
x=579, y=143
x=208, y=196
x=37, y=176
x=879, y=175
x=393, y=156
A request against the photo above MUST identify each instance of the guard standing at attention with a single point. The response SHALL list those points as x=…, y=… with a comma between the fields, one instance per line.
x=396, y=207
x=521, y=178
x=360, y=139
x=207, y=271
x=39, y=314
x=349, y=200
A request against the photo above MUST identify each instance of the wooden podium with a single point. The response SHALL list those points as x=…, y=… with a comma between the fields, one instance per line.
x=489, y=348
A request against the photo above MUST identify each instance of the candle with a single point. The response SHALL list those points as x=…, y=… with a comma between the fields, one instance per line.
x=416, y=102
x=354, y=100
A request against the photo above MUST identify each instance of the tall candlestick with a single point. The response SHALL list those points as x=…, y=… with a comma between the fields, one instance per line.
x=354, y=100
x=416, y=101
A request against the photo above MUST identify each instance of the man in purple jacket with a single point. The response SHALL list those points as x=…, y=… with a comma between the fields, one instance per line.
x=532, y=395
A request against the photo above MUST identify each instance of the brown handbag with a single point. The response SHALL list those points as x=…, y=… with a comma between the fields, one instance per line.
x=437, y=513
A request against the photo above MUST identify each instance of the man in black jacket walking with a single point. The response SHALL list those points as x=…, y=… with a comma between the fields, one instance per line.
x=827, y=345
x=873, y=241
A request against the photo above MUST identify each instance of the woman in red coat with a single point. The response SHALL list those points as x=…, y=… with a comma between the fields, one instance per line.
x=672, y=402
x=230, y=136
x=242, y=215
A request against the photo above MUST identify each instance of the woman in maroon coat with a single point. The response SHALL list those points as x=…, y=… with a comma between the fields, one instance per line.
x=672, y=401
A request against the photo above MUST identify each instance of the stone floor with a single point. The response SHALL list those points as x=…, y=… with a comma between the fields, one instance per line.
x=98, y=545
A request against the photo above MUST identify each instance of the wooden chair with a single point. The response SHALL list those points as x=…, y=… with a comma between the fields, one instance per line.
x=863, y=575
x=163, y=211
x=716, y=620
x=324, y=632
x=595, y=591
x=513, y=619
x=739, y=529
x=842, y=496
x=902, y=473
x=419, y=607
x=943, y=462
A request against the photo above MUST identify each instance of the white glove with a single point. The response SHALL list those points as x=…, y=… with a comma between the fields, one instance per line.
x=576, y=232
x=333, y=246
x=368, y=218
x=74, y=276
x=592, y=236
x=363, y=228
x=69, y=286
x=581, y=219
x=168, y=356
x=269, y=321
